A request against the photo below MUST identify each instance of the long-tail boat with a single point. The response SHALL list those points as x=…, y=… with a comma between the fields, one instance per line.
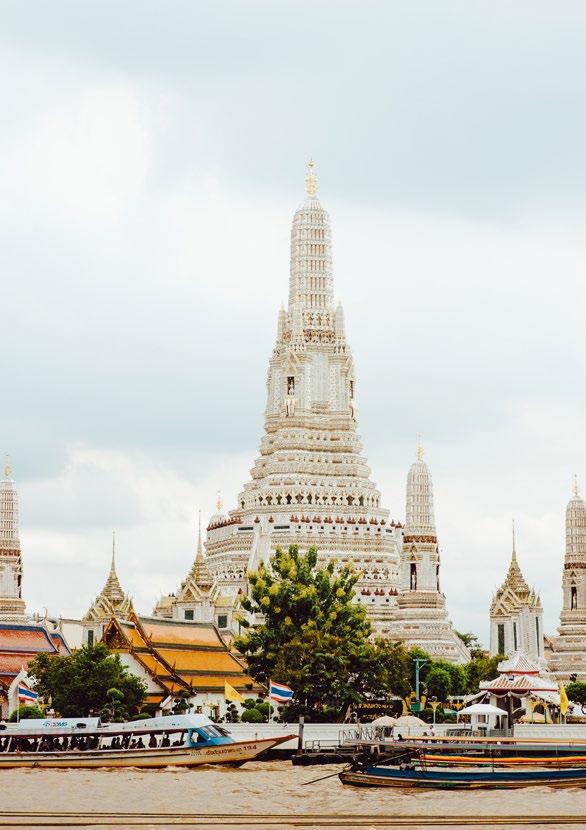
x=413, y=773
x=173, y=740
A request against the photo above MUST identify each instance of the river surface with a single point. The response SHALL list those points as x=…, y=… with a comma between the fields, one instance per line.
x=259, y=788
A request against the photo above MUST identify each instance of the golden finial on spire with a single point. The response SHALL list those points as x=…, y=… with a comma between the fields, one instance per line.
x=7, y=470
x=576, y=488
x=219, y=504
x=420, y=450
x=113, y=550
x=311, y=180
x=513, y=526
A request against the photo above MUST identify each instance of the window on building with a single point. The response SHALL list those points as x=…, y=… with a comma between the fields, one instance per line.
x=514, y=636
x=573, y=597
x=290, y=385
x=500, y=630
x=222, y=621
x=90, y=638
x=537, y=636
x=189, y=614
x=413, y=576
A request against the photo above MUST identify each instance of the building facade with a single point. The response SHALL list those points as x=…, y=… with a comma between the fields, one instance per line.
x=568, y=650
x=516, y=617
x=420, y=616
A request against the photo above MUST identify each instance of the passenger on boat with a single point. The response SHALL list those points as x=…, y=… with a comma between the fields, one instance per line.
x=152, y=741
x=140, y=744
x=166, y=740
x=400, y=737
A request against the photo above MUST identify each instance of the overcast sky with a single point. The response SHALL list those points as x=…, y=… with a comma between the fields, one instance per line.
x=151, y=157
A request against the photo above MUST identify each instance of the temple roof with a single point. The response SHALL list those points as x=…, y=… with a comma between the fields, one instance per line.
x=111, y=601
x=514, y=592
x=518, y=663
x=200, y=576
x=21, y=642
x=180, y=655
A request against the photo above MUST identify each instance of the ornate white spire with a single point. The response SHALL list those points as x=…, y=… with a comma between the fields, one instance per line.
x=576, y=527
x=311, y=180
x=420, y=518
x=8, y=512
x=11, y=603
x=310, y=285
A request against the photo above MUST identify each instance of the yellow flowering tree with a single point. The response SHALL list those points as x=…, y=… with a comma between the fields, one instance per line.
x=309, y=634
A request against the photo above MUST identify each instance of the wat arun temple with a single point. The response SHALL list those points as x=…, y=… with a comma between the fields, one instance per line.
x=311, y=484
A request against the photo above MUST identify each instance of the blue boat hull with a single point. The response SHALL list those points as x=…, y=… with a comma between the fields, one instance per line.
x=465, y=779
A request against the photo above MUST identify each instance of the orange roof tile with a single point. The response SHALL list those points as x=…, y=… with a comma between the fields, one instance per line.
x=216, y=681
x=28, y=638
x=11, y=664
x=179, y=633
x=201, y=661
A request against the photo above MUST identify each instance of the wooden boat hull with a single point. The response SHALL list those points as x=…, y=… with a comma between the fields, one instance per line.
x=181, y=756
x=506, y=761
x=466, y=780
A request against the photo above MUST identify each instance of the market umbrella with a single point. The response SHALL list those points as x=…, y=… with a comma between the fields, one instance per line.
x=409, y=720
x=384, y=720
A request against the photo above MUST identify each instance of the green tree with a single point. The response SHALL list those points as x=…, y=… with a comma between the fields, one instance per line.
x=392, y=670
x=576, y=692
x=232, y=715
x=438, y=683
x=481, y=667
x=114, y=710
x=181, y=702
x=312, y=637
x=79, y=683
x=472, y=642
x=24, y=711
x=253, y=716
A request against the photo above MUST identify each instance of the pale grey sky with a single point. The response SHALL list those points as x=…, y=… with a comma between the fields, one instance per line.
x=151, y=157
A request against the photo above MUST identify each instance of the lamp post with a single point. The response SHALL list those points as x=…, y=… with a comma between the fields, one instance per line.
x=419, y=662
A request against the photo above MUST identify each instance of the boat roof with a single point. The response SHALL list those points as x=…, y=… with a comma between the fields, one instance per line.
x=68, y=726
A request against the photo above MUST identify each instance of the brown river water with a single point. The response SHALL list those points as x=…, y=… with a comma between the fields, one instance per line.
x=259, y=788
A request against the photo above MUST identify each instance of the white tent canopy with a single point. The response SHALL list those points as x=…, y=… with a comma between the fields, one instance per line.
x=482, y=709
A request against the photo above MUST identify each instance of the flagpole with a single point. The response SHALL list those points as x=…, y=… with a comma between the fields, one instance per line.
x=270, y=703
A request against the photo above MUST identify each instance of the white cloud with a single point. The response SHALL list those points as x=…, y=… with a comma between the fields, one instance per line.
x=142, y=277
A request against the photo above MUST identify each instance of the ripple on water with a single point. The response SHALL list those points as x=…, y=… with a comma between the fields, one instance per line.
x=260, y=787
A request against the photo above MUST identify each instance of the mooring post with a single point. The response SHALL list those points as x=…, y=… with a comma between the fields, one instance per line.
x=300, y=738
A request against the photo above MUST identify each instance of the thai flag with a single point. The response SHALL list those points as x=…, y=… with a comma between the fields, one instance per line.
x=24, y=693
x=280, y=693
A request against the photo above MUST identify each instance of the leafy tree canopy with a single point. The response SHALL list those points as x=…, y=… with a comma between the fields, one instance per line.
x=92, y=679
x=309, y=634
x=576, y=692
x=312, y=636
x=24, y=711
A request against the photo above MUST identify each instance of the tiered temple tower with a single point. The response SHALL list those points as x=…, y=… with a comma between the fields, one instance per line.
x=569, y=649
x=310, y=484
x=198, y=598
x=516, y=616
x=420, y=617
x=110, y=602
x=12, y=605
